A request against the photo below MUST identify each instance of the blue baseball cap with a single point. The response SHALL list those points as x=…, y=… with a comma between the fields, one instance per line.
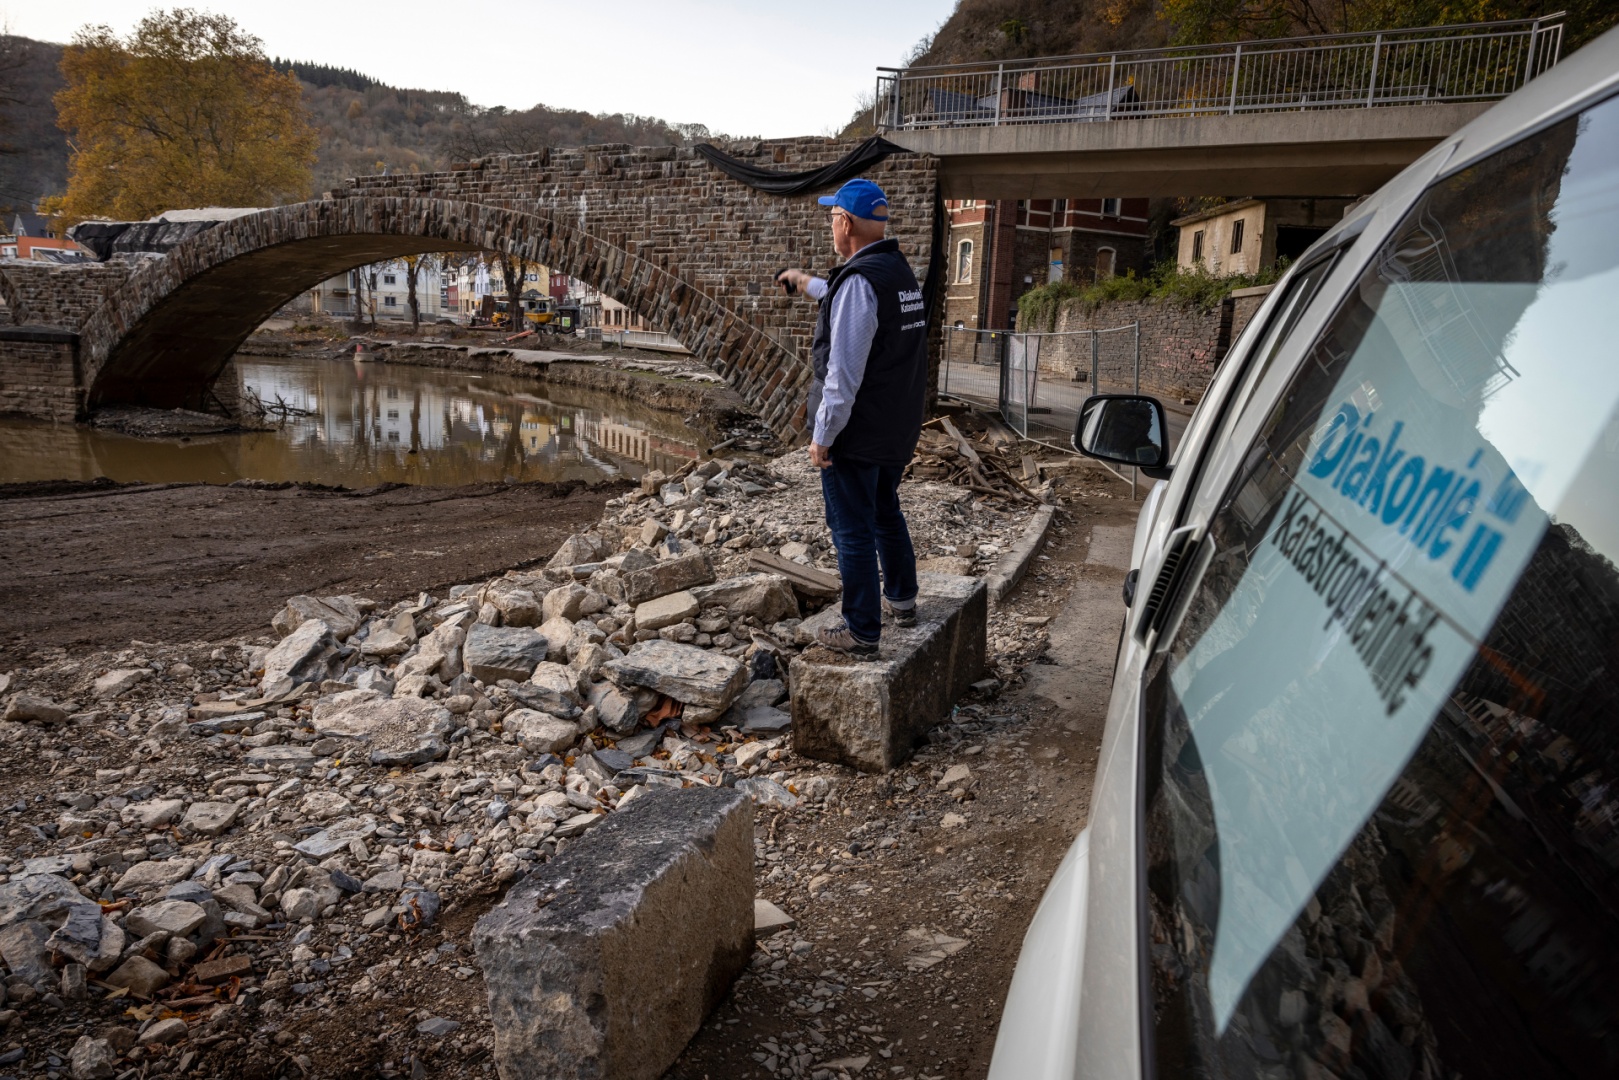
x=861, y=198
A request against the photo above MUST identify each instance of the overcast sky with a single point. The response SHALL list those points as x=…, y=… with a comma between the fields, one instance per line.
x=744, y=67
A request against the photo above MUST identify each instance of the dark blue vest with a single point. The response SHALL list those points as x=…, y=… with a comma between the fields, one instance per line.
x=887, y=416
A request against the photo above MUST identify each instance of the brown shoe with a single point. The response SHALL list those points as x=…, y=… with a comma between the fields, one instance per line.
x=840, y=638
x=905, y=616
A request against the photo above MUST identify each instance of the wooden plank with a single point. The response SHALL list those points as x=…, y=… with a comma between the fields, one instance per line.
x=808, y=580
x=1031, y=470
x=962, y=445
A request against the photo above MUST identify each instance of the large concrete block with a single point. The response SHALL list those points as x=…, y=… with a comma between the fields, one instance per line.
x=870, y=713
x=604, y=962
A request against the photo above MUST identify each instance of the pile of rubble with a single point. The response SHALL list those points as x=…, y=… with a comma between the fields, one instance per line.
x=224, y=835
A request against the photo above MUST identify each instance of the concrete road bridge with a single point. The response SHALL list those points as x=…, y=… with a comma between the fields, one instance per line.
x=1329, y=115
x=690, y=238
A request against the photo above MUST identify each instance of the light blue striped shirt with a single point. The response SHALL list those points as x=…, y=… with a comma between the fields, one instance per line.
x=854, y=327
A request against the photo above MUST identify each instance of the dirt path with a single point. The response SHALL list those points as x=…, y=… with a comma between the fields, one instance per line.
x=909, y=923
x=100, y=565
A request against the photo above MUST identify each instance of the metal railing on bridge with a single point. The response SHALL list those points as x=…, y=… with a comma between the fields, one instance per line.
x=1469, y=62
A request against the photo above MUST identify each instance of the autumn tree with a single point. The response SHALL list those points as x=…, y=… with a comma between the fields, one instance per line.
x=185, y=111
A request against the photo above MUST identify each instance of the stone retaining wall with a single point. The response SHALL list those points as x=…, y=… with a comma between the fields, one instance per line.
x=49, y=294
x=39, y=374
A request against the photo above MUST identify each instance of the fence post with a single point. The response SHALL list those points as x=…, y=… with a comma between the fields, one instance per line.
x=1096, y=364
x=1236, y=67
x=1529, y=58
x=1371, y=85
x=1135, y=471
x=1112, y=64
x=1000, y=82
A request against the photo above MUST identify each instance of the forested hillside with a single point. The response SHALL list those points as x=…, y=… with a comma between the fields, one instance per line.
x=365, y=126
x=33, y=152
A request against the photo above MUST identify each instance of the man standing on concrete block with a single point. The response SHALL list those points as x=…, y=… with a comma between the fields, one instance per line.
x=870, y=354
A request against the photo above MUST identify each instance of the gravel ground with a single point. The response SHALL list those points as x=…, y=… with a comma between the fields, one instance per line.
x=320, y=902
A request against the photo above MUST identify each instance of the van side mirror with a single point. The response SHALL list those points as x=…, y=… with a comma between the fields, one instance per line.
x=1125, y=429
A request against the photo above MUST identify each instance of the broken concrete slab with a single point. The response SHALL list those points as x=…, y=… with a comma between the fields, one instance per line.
x=492, y=653
x=686, y=673
x=605, y=961
x=871, y=714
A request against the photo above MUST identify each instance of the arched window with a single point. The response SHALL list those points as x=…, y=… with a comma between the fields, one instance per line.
x=1104, y=262
x=964, y=262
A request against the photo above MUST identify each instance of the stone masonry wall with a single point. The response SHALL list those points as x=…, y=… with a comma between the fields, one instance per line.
x=668, y=206
x=40, y=378
x=658, y=229
x=48, y=294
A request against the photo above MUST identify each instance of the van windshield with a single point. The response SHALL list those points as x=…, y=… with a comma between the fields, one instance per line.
x=1382, y=770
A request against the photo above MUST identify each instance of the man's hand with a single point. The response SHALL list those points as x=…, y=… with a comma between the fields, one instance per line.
x=820, y=456
x=797, y=278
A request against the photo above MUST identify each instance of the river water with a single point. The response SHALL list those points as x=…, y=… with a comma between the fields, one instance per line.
x=373, y=423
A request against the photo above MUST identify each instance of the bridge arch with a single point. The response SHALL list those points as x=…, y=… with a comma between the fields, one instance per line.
x=164, y=336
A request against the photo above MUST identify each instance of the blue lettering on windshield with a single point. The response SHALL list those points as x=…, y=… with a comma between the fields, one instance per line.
x=1432, y=504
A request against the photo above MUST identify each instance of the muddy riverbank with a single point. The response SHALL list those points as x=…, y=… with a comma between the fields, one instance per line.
x=98, y=564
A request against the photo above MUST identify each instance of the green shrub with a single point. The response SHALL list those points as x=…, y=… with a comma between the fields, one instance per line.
x=1165, y=283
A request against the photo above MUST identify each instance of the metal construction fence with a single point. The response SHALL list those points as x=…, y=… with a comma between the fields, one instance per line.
x=1470, y=62
x=1039, y=381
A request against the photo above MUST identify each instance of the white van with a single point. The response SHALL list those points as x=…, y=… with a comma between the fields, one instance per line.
x=1357, y=812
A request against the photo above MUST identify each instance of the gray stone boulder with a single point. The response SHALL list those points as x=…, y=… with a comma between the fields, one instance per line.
x=300, y=656
x=666, y=611
x=667, y=576
x=438, y=654
x=620, y=711
x=492, y=653
x=767, y=597
x=25, y=708
x=209, y=818
x=517, y=605
x=605, y=961
x=579, y=548
x=341, y=615
x=559, y=633
x=540, y=732
x=871, y=714
x=554, y=688
x=92, y=1059
x=565, y=602
x=394, y=731
x=117, y=682
x=686, y=673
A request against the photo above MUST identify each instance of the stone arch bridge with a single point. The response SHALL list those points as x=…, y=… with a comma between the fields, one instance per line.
x=659, y=229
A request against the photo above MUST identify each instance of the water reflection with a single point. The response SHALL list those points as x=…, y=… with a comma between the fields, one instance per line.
x=371, y=423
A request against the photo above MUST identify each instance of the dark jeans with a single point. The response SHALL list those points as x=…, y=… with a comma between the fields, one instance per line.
x=862, y=510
